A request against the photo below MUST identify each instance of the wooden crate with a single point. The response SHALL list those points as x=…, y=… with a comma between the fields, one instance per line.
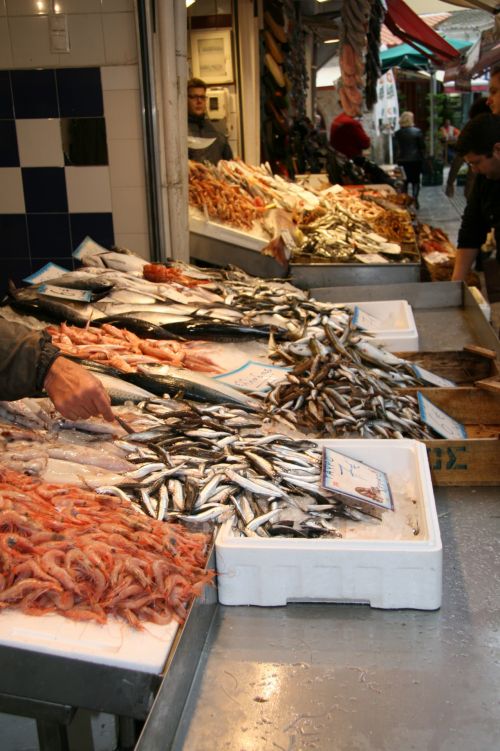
x=474, y=460
x=463, y=367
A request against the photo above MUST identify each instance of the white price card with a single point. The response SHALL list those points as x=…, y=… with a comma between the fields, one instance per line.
x=365, y=320
x=47, y=272
x=429, y=377
x=254, y=376
x=438, y=420
x=355, y=482
x=88, y=247
x=65, y=293
x=371, y=258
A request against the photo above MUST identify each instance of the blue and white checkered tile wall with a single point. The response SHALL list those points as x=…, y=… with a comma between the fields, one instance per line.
x=48, y=200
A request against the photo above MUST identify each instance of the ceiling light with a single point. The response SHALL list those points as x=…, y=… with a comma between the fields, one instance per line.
x=190, y=2
x=330, y=41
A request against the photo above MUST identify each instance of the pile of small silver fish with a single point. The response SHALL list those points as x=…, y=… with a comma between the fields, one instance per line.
x=341, y=384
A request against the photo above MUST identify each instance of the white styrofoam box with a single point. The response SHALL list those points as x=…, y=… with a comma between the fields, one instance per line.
x=113, y=643
x=224, y=233
x=384, y=564
x=396, y=329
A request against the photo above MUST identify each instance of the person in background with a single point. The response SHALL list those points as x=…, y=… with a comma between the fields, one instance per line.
x=29, y=363
x=479, y=107
x=348, y=136
x=494, y=95
x=409, y=152
x=205, y=142
x=479, y=144
x=448, y=135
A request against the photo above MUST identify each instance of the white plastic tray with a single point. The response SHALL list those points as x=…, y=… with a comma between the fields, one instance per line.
x=114, y=643
x=395, y=328
x=384, y=565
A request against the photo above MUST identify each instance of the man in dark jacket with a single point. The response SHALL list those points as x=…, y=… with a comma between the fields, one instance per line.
x=29, y=363
x=479, y=144
x=409, y=152
x=205, y=142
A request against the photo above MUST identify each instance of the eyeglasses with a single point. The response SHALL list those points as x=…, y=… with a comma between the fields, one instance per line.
x=200, y=97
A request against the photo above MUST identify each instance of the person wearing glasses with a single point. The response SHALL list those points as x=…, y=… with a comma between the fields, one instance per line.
x=479, y=145
x=205, y=142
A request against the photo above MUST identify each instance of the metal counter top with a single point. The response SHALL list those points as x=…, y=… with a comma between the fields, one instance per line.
x=348, y=677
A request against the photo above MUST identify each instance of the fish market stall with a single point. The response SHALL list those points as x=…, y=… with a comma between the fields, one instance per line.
x=222, y=385
x=334, y=236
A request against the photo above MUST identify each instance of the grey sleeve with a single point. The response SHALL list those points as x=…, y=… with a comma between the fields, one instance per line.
x=25, y=358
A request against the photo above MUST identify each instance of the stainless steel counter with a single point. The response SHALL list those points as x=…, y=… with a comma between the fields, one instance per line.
x=350, y=677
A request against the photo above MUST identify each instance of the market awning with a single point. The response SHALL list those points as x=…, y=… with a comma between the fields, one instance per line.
x=404, y=22
x=407, y=57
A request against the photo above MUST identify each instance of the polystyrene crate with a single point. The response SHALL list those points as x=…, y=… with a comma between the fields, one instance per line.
x=396, y=329
x=384, y=565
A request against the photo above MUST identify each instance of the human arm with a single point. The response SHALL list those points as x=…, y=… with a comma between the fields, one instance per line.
x=227, y=152
x=29, y=363
x=463, y=262
x=75, y=392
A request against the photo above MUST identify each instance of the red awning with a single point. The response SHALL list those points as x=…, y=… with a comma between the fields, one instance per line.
x=405, y=23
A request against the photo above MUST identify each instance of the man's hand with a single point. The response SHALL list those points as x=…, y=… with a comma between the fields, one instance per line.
x=75, y=392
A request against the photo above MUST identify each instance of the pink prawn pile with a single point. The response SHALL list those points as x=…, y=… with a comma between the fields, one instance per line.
x=124, y=350
x=87, y=556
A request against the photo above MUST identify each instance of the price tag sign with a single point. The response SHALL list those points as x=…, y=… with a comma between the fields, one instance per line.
x=47, y=272
x=429, y=377
x=88, y=247
x=371, y=258
x=254, y=376
x=65, y=293
x=356, y=483
x=438, y=420
x=365, y=320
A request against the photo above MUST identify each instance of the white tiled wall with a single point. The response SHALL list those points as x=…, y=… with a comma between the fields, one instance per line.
x=101, y=33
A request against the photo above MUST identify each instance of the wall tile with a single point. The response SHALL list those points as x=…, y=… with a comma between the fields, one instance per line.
x=44, y=189
x=15, y=269
x=29, y=36
x=5, y=48
x=6, y=103
x=116, y=77
x=32, y=133
x=79, y=91
x=122, y=111
x=97, y=226
x=11, y=191
x=14, y=234
x=126, y=162
x=27, y=7
x=79, y=6
x=34, y=93
x=114, y=6
x=88, y=189
x=9, y=153
x=129, y=211
x=138, y=244
x=86, y=41
x=120, y=43
x=49, y=236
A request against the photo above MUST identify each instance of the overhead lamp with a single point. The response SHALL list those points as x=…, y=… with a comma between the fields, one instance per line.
x=192, y=2
x=330, y=41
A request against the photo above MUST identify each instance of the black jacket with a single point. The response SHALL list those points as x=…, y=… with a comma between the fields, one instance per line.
x=216, y=147
x=481, y=214
x=409, y=145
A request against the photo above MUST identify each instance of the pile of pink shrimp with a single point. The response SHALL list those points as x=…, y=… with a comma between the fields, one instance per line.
x=87, y=556
x=125, y=351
